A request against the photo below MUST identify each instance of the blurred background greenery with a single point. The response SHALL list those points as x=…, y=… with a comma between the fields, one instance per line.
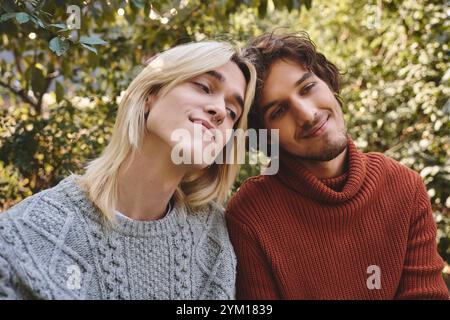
x=60, y=86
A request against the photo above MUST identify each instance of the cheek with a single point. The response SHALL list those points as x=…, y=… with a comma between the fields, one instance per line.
x=163, y=122
x=286, y=130
x=338, y=114
x=169, y=111
x=287, y=137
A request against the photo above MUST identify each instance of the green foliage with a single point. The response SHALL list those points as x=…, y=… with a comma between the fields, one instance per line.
x=58, y=85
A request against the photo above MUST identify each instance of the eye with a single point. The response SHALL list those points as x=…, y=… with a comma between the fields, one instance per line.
x=307, y=88
x=232, y=114
x=203, y=87
x=278, y=112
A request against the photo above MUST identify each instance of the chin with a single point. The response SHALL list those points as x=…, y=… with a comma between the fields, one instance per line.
x=323, y=150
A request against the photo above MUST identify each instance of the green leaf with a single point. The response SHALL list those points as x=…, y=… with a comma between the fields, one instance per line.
x=308, y=4
x=37, y=80
x=32, y=4
x=92, y=40
x=8, y=5
x=138, y=4
x=59, y=91
x=66, y=68
x=296, y=4
x=58, y=45
x=7, y=16
x=262, y=8
x=59, y=25
x=89, y=48
x=289, y=5
x=22, y=17
x=37, y=21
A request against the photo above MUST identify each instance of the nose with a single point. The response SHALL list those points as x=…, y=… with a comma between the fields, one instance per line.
x=217, y=111
x=305, y=112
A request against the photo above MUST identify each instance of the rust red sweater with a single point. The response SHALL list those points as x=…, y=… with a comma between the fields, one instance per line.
x=368, y=234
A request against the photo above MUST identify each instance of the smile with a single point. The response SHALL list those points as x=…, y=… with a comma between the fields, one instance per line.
x=317, y=130
x=206, y=126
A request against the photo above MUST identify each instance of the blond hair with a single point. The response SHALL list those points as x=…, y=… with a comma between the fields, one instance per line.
x=162, y=73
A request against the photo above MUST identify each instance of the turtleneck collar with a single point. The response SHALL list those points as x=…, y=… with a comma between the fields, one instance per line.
x=339, y=189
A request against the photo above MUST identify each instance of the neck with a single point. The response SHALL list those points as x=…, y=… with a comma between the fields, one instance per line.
x=147, y=181
x=328, y=169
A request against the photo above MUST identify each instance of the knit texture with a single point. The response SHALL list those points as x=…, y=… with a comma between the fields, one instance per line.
x=53, y=245
x=299, y=237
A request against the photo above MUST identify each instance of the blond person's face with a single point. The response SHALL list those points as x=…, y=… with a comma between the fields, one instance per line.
x=305, y=110
x=211, y=103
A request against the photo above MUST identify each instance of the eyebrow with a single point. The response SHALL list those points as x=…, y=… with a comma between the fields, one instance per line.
x=218, y=76
x=269, y=105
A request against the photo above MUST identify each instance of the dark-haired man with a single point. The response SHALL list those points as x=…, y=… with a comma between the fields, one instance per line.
x=333, y=223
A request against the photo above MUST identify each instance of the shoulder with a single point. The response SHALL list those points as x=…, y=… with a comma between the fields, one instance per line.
x=44, y=234
x=246, y=204
x=46, y=210
x=36, y=225
x=32, y=214
x=393, y=170
x=254, y=188
x=257, y=184
x=402, y=187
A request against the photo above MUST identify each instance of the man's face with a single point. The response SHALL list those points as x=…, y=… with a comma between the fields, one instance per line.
x=212, y=102
x=305, y=110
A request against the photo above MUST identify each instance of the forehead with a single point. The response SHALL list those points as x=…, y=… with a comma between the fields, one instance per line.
x=282, y=76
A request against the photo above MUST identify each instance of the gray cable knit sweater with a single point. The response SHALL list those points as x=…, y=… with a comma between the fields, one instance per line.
x=54, y=246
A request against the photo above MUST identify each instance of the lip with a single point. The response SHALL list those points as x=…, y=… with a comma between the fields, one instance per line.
x=203, y=122
x=206, y=126
x=317, y=130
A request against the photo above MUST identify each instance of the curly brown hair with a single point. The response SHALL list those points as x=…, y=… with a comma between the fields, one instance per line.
x=267, y=48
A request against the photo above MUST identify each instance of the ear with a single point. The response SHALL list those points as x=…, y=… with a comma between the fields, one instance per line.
x=148, y=104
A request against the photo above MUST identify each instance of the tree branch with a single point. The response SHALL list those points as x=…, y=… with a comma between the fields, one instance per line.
x=20, y=93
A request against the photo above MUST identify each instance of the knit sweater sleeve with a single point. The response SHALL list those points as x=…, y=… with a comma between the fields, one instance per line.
x=10, y=283
x=421, y=276
x=254, y=279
